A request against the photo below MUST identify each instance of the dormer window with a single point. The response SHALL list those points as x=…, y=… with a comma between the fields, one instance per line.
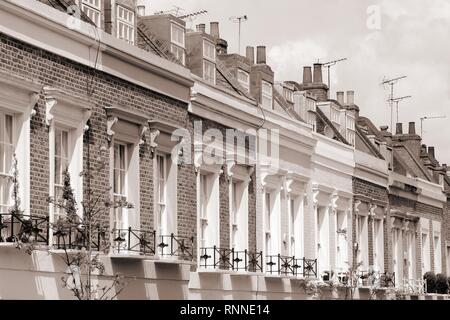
x=335, y=117
x=177, y=40
x=244, y=79
x=289, y=95
x=267, y=94
x=92, y=9
x=125, y=24
x=209, y=61
x=350, y=130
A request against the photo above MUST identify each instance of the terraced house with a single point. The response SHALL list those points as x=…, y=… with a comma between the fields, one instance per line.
x=218, y=181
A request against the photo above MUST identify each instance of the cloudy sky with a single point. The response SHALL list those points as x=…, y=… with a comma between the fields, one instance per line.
x=409, y=38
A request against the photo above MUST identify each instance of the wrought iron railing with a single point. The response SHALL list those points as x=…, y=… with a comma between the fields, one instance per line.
x=231, y=259
x=414, y=286
x=134, y=241
x=282, y=265
x=24, y=228
x=375, y=279
x=291, y=266
x=75, y=237
x=309, y=268
x=177, y=246
x=217, y=258
x=248, y=261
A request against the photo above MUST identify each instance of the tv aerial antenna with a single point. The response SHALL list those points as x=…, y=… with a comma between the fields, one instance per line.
x=392, y=83
x=428, y=118
x=328, y=65
x=398, y=100
x=192, y=16
x=239, y=20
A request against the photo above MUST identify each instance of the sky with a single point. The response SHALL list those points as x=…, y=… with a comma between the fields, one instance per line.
x=382, y=39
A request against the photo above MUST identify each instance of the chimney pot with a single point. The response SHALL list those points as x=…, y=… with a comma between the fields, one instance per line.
x=141, y=10
x=307, y=75
x=412, y=128
x=214, y=28
x=201, y=27
x=350, y=97
x=250, y=54
x=340, y=97
x=318, y=73
x=261, y=55
x=399, y=128
x=431, y=152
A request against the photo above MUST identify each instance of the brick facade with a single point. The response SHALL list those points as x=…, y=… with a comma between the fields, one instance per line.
x=48, y=69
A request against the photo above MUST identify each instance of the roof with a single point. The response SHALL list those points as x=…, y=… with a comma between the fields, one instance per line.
x=322, y=117
x=368, y=143
x=151, y=43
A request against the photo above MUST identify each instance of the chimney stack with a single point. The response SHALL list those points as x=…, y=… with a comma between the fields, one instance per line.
x=214, y=29
x=350, y=97
x=201, y=27
x=340, y=97
x=399, y=128
x=318, y=73
x=412, y=128
x=261, y=54
x=307, y=75
x=423, y=149
x=250, y=54
x=141, y=10
x=431, y=152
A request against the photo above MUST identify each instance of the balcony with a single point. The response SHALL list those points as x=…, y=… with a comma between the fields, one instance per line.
x=370, y=279
x=229, y=259
x=291, y=266
x=146, y=243
x=130, y=241
x=71, y=237
x=23, y=228
x=176, y=246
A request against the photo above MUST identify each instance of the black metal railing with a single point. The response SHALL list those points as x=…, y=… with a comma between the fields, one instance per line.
x=75, y=237
x=282, y=265
x=309, y=268
x=24, y=228
x=248, y=261
x=176, y=246
x=375, y=279
x=217, y=258
x=137, y=241
x=231, y=259
x=291, y=266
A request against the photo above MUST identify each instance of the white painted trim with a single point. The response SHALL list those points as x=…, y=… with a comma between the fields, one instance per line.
x=47, y=28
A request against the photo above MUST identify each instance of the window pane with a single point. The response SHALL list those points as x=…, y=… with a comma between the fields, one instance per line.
x=8, y=129
x=122, y=157
x=58, y=170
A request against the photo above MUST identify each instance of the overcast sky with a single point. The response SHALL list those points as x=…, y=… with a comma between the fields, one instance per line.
x=412, y=39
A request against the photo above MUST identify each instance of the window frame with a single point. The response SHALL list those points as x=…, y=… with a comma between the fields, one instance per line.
x=87, y=4
x=126, y=24
x=123, y=196
x=244, y=84
x=213, y=67
x=211, y=45
x=4, y=175
x=266, y=95
x=59, y=212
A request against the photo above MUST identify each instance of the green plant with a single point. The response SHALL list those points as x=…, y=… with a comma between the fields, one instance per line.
x=442, y=284
x=430, y=280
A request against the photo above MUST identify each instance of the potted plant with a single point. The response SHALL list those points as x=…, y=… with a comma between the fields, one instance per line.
x=430, y=281
x=441, y=284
